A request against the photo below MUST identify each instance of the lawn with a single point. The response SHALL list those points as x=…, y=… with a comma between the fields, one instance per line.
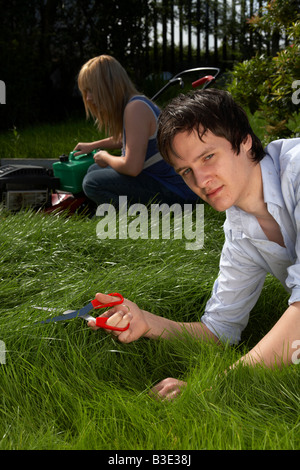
x=65, y=387
x=46, y=140
x=50, y=140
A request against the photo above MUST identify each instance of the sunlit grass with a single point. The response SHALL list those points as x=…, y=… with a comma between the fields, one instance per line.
x=66, y=387
x=63, y=386
x=47, y=140
x=52, y=140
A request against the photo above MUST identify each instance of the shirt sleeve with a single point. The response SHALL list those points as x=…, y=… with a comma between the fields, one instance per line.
x=291, y=186
x=235, y=291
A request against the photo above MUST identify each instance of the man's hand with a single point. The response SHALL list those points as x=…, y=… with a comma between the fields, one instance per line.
x=121, y=315
x=168, y=389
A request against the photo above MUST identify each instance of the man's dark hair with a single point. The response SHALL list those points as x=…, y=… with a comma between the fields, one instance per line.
x=213, y=110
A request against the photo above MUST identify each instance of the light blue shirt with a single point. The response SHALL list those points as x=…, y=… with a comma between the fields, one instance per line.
x=247, y=255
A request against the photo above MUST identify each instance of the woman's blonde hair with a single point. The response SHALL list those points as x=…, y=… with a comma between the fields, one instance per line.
x=111, y=88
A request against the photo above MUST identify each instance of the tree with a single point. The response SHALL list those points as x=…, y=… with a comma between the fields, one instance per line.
x=266, y=84
x=44, y=43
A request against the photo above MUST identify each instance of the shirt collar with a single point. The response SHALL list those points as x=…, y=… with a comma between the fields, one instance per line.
x=271, y=191
x=270, y=172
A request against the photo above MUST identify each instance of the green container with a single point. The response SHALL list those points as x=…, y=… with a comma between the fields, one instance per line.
x=71, y=170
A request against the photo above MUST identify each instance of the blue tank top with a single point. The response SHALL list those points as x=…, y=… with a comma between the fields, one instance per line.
x=155, y=166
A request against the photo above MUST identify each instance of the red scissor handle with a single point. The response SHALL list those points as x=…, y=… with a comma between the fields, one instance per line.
x=97, y=304
x=101, y=322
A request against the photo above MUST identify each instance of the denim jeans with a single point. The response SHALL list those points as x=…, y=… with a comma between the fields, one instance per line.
x=105, y=185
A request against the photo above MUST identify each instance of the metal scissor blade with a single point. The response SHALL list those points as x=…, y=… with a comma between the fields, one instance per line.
x=82, y=313
x=63, y=317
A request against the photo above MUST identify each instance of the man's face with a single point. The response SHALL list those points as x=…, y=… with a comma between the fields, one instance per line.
x=212, y=169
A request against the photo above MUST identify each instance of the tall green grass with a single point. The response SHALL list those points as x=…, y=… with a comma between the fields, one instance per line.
x=47, y=140
x=53, y=139
x=63, y=386
x=66, y=387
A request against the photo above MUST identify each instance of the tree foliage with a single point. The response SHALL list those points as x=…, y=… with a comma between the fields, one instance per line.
x=271, y=84
x=43, y=44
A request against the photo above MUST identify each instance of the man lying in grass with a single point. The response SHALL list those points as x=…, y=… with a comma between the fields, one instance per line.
x=207, y=138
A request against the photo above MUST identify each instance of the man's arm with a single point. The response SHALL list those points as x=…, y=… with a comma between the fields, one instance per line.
x=277, y=347
x=165, y=328
x=147, y=324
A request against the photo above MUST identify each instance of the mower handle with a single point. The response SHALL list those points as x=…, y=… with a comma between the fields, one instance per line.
x=203, y=81
x=178, y=79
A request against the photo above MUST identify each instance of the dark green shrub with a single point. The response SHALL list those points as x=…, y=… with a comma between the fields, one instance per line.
x=269, y=85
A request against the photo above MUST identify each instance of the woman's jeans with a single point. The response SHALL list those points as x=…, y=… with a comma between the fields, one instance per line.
x=105, y=185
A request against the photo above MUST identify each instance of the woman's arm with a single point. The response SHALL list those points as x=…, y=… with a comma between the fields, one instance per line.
x=107, y=143
x=140, y=125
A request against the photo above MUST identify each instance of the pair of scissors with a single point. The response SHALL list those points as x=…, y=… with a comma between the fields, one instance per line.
x=83, y=312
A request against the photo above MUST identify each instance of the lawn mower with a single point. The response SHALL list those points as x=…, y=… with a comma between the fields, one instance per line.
x=60, y=188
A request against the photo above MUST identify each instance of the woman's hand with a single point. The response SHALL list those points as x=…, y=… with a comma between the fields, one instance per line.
x=121, y=315
x=84, y=147
x=100, y=159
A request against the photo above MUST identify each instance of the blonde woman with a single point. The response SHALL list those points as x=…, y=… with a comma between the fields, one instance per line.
x=129, y=119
